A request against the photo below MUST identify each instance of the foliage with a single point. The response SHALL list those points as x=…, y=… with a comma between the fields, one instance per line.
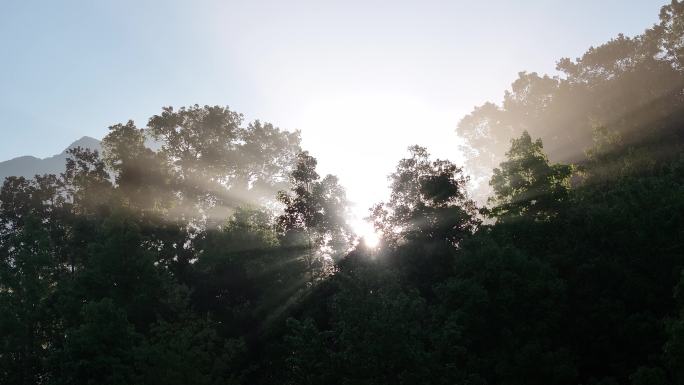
x=526, y=185
x=428, y=201
x=628, y=86
x=313, y=223
x=223, y=257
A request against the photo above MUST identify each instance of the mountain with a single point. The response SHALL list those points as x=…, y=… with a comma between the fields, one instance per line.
x=29, y=166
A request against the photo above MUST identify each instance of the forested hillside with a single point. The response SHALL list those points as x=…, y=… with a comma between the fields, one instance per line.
x=224, y=257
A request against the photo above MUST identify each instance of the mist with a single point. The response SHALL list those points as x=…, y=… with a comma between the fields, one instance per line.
x=343, y=194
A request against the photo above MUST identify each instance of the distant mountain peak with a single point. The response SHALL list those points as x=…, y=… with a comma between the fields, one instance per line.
x=85, y=142
x=30, y=166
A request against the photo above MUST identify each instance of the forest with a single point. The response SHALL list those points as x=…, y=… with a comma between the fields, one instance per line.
x=554, y=255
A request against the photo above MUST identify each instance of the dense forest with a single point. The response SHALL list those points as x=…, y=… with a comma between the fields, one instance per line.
x=223, y=257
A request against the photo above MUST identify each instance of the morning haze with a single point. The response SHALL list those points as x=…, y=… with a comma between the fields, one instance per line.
x=304, y=193
x=349, y=75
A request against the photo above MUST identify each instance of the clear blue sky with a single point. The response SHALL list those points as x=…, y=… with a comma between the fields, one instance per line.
x=361, y=79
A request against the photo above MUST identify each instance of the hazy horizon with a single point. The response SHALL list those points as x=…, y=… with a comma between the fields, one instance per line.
x=349, y=77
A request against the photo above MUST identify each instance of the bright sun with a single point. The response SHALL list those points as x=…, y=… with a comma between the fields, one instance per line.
x=367, y=234
x=371, y=240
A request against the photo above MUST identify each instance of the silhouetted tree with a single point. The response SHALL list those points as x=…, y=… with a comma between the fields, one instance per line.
x=428, y=201
x=183, y=265
x=526, y=185
x=314, y=219
x=219, y=164
x=143, y=178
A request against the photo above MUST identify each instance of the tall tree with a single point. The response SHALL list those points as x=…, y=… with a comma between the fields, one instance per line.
x=526, y=184
x=86, y=182
x=143, y=179
x=629, y=85
x=28, y=279
x=314, y=221
x=428, y=201
x=220, y=164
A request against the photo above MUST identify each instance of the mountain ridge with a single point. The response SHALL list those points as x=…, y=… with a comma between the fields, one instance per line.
x=29, y=166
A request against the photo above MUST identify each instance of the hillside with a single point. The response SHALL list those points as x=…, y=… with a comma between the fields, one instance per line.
x=29, y=166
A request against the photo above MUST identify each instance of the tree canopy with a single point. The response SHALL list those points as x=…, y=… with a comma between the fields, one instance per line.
x=202, y=250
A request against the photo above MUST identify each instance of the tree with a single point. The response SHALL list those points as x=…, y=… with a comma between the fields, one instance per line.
x=375, y=332
x=86, y=182
x=498, y=317
x=629, y=85
x=428, y=201
x=526, y=185
x=221, y=165
x=121, y=267
x=239, y=270
x=266, y=157
x=143, y=179
x=189, y=351
x=101, y=350
x=28, y=279
x=314, y=221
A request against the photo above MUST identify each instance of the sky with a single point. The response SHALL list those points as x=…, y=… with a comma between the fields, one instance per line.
x=362, y=80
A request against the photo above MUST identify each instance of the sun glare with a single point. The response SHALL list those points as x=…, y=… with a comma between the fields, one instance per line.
x=371, y=240
x=367, y=234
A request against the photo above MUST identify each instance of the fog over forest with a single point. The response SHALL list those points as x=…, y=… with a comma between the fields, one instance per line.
x=202, y=247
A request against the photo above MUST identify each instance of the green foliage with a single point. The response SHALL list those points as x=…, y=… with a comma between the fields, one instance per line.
x=628, y=86
x=313, y=224
x=189, y=351
x=101, y=349
x=121, y=269
x=375, y=337
x=310, y=359
x=108, y=276
x=86, y=182
x=526, y=185
x=500, y=316
x=218, y=164
x=428, y=201
x=648, y=376
x=184, y=266
x=27, y=279
x=142, y=177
